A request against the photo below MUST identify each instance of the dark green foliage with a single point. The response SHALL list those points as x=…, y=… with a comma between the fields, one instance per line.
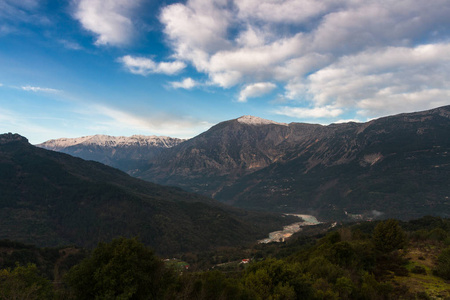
x=277, y=279
x=122, y=269
x=24, y=282
x=443, y=264
x=210, y=285
x=389, y=236
x=438, y=234
x=50, y=262
x=339, y=265
x=342, y=254
x=52, y=199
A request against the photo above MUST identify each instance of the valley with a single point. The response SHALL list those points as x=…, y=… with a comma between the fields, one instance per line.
x=250, y=209
x=224, y=150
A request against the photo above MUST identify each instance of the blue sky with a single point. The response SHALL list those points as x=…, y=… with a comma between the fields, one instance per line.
x=123, y=67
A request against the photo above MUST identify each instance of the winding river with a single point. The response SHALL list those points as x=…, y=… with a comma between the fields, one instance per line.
x=282, y=235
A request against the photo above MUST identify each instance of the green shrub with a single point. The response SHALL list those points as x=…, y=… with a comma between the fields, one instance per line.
x=389, y=236
x=122, y=269
x=24, y=283
x=443, y=264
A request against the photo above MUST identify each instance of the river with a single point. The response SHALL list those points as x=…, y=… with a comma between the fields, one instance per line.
x=282, y=235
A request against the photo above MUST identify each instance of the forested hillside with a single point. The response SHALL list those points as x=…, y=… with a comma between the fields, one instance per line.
x=371, y=260
x=50, y=199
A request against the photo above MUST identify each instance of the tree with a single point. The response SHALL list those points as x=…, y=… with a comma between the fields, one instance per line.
x=24, y=282
x=388, y=236
x=443, y=264
x=122, y=269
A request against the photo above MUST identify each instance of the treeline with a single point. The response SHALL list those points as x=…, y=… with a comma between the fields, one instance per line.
x=384, y=260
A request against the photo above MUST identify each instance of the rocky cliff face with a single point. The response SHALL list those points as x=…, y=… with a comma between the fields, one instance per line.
x=129, y=154
x=218, y=156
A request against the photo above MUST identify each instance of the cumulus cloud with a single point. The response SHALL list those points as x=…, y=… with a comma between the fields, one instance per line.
x=110, y=20
x=39, y=89
x=186, y=83
x=256, y=90
x=373, y=56
x=286, y=11
x=145, y=66
x=377, y=82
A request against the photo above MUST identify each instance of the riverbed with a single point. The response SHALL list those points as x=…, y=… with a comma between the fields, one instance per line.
x=289, y=230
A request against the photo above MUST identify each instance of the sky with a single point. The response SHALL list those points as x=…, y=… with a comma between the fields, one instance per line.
x=122, y=67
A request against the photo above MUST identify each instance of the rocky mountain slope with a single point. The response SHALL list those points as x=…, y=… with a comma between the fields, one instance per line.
x=49, y=198
x=125, y=153
x=397, y=166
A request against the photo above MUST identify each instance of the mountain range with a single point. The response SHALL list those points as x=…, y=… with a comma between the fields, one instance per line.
x=50, y=199
x=124, y=153
x=396, y=166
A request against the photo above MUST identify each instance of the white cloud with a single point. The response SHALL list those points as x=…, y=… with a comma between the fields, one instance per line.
x=110, y=20
x=284, y=11
x=386, y=81
x=39, y=89
x=309, y=113
x=115, y=120
x=198, y=25
x=256, y=90
x=145, y=66
x=323, y=52
x=187, y=83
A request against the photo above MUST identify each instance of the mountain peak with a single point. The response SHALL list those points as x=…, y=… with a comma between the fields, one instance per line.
x=251, y=120
x=12, y=137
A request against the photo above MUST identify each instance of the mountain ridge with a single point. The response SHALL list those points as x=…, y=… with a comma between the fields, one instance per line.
x=260, y=164
x=300, y=167
x=124, y=153
x=111, y=141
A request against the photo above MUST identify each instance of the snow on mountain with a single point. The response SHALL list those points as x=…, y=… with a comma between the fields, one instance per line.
x=112, y=141
x=251, y=120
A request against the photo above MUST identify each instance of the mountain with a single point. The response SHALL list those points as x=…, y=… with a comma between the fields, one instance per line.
x=49, y=199
x=125, y=153
x=397, y=166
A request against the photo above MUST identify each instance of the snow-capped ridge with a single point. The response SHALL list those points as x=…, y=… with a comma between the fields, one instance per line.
x=251, y=120
x=112, y=141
